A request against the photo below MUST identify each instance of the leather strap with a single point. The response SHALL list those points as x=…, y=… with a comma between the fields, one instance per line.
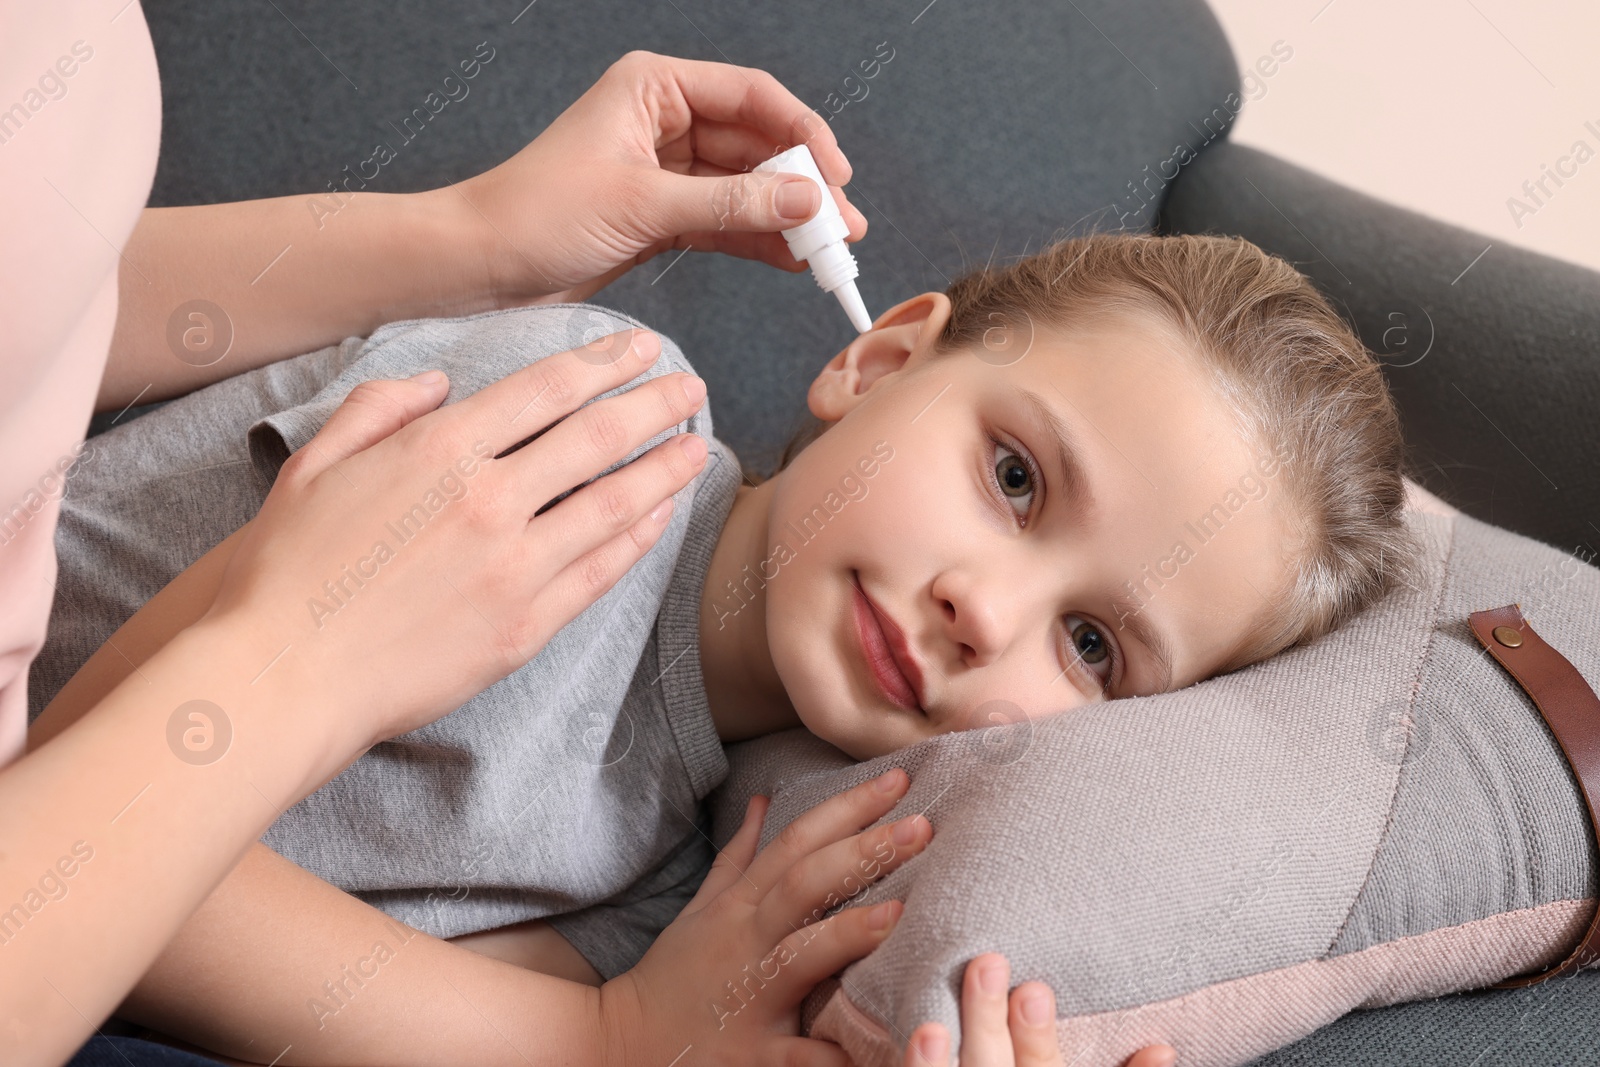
x=1572, y=711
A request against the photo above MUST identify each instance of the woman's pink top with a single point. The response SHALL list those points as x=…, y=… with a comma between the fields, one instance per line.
x=80, y=125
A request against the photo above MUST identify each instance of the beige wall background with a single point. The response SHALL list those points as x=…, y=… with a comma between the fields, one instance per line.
x=1446, y=107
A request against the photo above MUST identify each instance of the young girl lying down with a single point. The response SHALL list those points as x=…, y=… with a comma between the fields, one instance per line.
x=1115, y=468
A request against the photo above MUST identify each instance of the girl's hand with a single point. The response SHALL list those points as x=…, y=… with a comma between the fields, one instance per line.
x=397, y=567
x=714, y=982
x=651, y=158
x=996, y=1032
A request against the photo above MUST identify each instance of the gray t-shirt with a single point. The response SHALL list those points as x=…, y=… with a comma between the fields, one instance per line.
x=570, y=790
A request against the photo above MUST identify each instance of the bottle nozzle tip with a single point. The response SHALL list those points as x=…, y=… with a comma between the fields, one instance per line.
x=850, y=298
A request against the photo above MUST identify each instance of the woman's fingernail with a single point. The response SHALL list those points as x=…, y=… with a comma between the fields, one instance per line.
x=694, y=388
x=881, y=918
x=1035, y=1008
x=694, y=447
x=888, y=781
x=992, y=979
x=645, y=345
x=794, y=199
x=428, y=377
x=933, y=1046
x=906, y=831
x=662, y=510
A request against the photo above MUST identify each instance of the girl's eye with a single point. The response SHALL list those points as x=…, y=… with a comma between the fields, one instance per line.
x=1091, y=646
x=1016, y=478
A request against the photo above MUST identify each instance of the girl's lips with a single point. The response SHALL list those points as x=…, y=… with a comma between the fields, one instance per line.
x=880, y=656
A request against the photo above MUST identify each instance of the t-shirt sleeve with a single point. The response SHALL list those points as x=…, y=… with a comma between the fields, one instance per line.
x=614, y=935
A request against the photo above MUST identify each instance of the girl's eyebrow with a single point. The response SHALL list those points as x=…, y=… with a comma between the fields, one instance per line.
x=1076, y=493
x=1153, y=639
x=1079, y=499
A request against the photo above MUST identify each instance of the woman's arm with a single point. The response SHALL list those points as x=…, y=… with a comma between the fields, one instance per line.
x=278, y=963
x=179, y=605
x=258, y=886
x=656, y=155
x=215, y=290
x=117, y=829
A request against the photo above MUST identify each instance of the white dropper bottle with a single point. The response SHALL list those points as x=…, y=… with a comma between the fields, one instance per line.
x=819, y=240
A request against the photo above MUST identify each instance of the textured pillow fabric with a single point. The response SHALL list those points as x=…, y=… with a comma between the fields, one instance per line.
x=1379, y=816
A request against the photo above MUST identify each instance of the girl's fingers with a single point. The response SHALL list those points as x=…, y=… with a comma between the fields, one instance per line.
x=985, y=1034
x=807, y=1052
x=1033, y=1027
x=1154, y=1056
x=929, y=1047
x=373, y=410
x=833, y=820
x=835, y=873
x=736, y=856
x=819, y=949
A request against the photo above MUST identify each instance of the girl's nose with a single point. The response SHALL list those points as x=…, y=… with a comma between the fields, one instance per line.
x=976, y=618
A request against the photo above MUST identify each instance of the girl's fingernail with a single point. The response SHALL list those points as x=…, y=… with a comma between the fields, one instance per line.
x=694, y=388
x=881, y=917
x=662, y=510
x=992, y=979
x=933, y=1046
x=428, y=377
x=906, y=830
x=1035, y=1008
x=694, y=447
x=888, y=781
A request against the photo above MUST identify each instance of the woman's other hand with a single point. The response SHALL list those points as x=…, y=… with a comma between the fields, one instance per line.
x=652, y=157
x=997, y=1031
x=397, y=567
x=727, y=977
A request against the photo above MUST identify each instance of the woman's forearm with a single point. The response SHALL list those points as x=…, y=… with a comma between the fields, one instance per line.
x=211, y=291
x=278, y=966
x=172, y=776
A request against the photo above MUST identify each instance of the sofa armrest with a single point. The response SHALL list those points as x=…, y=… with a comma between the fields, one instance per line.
x=1492, y=352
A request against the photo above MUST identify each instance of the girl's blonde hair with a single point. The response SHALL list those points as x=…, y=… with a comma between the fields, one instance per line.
x=1298, y=379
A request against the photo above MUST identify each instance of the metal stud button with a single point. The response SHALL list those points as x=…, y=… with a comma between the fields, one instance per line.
x=1506, y=635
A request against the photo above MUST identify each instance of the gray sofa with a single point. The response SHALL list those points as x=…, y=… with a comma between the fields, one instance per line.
x=994, y=127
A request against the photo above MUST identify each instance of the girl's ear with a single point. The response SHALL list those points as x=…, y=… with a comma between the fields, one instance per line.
x=903, y=334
